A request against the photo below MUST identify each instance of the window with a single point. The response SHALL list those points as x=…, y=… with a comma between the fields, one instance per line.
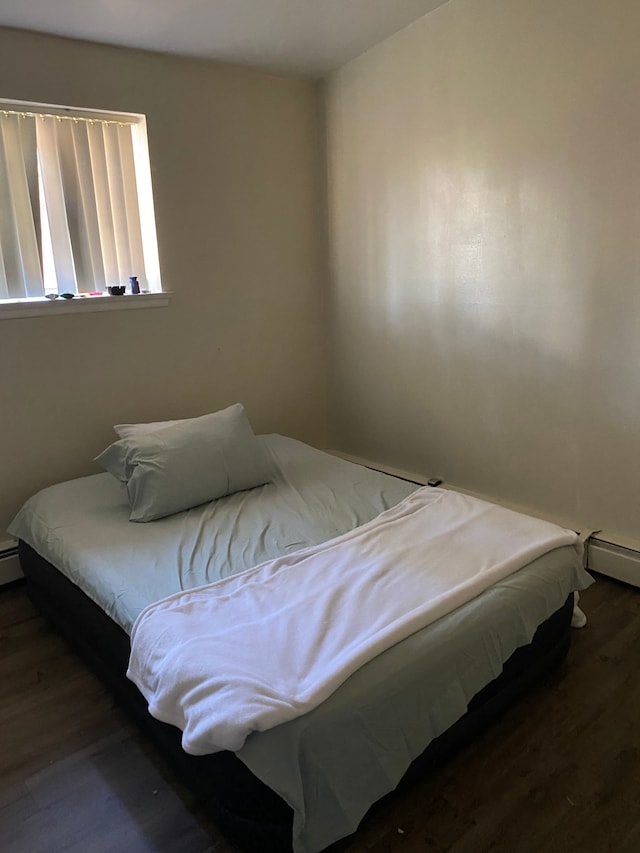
x=76, y=207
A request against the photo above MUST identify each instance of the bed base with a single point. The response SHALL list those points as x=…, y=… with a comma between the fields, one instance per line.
x=247, y=811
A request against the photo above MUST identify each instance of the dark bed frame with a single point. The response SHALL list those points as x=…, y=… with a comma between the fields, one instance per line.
x=248, y=812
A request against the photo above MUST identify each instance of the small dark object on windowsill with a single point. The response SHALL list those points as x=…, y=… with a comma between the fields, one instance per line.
x=116, y=290
x=67, y=295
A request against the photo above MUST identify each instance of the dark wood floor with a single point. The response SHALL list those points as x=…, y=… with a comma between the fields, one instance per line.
x=560, y=772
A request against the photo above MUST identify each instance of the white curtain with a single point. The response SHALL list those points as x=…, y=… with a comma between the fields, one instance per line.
x=70, y=189
x=91, y=198
x=20, y=271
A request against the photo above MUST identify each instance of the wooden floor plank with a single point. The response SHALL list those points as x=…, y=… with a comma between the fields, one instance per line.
x=560, y=773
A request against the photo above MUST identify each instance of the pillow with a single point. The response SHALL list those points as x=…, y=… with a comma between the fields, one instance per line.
x=188, y=463
x=126, y=430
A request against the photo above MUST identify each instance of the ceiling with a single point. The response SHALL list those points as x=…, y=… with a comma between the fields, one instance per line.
x=309, y=37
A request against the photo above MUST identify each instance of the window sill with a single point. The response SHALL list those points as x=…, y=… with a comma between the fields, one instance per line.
x=21, y=308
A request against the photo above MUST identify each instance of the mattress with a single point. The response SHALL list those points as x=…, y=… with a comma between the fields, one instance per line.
x=331, y=764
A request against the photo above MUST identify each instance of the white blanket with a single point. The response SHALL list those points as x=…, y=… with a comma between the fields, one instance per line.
x=260, y=648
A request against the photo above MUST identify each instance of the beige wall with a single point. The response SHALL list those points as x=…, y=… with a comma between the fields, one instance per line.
x=236, y=166
x=484, y=191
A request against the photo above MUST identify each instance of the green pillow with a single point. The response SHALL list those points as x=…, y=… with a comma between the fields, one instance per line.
x=187, y=464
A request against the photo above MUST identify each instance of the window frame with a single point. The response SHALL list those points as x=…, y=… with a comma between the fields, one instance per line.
x=155, y=296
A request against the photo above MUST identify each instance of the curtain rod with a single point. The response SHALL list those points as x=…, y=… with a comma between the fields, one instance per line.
x=24, y=114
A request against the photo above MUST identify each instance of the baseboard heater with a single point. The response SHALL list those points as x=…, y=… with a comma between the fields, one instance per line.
x=613, y=560
x=9, y=563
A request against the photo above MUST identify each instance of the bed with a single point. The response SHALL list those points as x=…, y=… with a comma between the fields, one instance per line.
x=307, y=782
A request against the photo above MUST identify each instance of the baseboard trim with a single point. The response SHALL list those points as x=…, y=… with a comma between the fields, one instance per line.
x=410, y=476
